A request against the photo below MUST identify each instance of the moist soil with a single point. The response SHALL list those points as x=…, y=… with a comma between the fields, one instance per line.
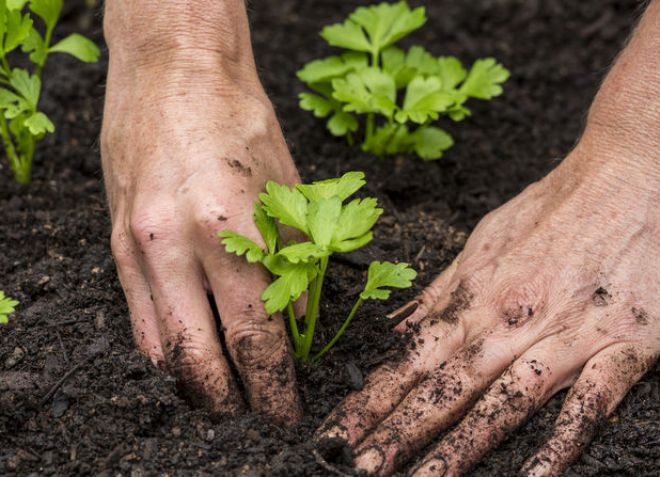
x=114, y=414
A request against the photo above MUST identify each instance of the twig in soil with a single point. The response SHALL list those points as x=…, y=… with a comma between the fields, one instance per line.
x=420, y=253
x=326, y=466
x=64, y=353
x=59, y=384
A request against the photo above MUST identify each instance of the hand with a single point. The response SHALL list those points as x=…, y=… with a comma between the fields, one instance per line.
x=556, y=289
x=189, y=140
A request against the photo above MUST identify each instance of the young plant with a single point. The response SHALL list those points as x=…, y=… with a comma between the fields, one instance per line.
x=319, y=211
x=399, y=94
x=22, y=124
x=7, y=307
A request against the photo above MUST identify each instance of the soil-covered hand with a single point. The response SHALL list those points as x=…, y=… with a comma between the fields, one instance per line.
x=557, y=288
x=189, y=140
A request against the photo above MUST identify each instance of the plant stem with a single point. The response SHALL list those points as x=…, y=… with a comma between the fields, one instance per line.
x=332, y=342
x=312, y=311
x=14, y=160
x=47, y=40
x=294, y=326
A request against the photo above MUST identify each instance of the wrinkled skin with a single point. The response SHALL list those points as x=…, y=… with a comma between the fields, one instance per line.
x=185, y=153
x=558, y=288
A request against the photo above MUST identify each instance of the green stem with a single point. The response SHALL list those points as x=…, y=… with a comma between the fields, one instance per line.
x=47, y=40
x=14, y=161
x=294, y=326
x=332, y=342
x=313, y=311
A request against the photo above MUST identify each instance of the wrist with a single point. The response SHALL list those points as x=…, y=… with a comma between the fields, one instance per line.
x=183, y=39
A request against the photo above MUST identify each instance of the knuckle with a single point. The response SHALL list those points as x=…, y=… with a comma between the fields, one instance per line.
x=149, y=223
x=255, y=342
x=520, y=303
x=121, y=247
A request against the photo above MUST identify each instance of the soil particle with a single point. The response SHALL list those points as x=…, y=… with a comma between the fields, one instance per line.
x=459, y=302
x=601, y=297
x=641, y=316
x=239, y=167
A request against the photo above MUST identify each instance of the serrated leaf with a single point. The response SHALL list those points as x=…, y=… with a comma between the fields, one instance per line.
x=387, y=23
x=48, y=10
x=388, y=139
x=384, y=275
x=322, y=219
x=267, y=227
x=326, y=69
x=356, y=219
x=79, y=47
x=352, y=244
x=288, y=205
x=342, y=187
x=303, y=252
x=341, y=123
x=241, y=245
x=18, y=29
x=485, y=79
x=12, y=104
x=347, y=35
x=422, y=61
x=28, y=86
x=7, y=307
x=35, y=46
x=320, y=106
x=450, y=71
x=38, y=123
x=293, y=279
x=369, y=90
x=424, y=100
x=430, y=142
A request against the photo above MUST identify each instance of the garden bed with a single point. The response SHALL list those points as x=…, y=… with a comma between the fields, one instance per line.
x=116, y=414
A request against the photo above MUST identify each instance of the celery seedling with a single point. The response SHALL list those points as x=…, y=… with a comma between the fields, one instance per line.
x=408, y=91
x=22, y=124
x=318, y=211
x=7, y=307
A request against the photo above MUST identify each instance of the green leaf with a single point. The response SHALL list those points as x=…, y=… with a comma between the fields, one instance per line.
x=288, y=205
x=326, y=69
x=77, y=46
x=16, y=4
x=485, y=79
x=38, y=124
x=241, y=245
x=430, y=142
x=48, y=10
x=29, y=86
x=424, y=100
x=7, y=307
x=341, y=123
x=347, y=35
x=369, y=90
x=320, y=106
x=322, y=219
x=352, y=244
x=342, y=187
x=18, y=29
x=303, y=252
x=387, y=23
x=422, y=61
x=293, y=279
x=35, y=46
x=12, y=104
x=394, y=64
x=450, y=71
x=356, y=219
x=386, y=274
x=267, y=228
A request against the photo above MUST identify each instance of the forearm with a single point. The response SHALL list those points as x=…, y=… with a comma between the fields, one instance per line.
x=194, y=38
x=625, y=115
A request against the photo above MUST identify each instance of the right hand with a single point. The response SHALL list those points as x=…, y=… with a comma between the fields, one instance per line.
x=186, y=148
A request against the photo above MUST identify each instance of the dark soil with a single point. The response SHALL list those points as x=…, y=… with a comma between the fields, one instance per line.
x=117, y=415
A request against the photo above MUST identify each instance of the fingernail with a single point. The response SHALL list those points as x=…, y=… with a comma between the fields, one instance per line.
x=536, y=468
x=432, y=468
x=370, y=460
x=404, y=312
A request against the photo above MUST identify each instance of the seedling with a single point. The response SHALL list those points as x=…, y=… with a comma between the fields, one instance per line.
x=331, y=226
x=7, y=307
x=22, y=125
x=396, y=95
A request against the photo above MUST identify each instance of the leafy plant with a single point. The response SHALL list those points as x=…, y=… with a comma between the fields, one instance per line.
x=407, y=90
x=7, y=307
x=319, y=211
x=22, y=124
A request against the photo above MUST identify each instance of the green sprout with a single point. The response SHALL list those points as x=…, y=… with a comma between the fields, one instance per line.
x=407, y=90
x=22, y=125
x=319, y=211
x=7, y=307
